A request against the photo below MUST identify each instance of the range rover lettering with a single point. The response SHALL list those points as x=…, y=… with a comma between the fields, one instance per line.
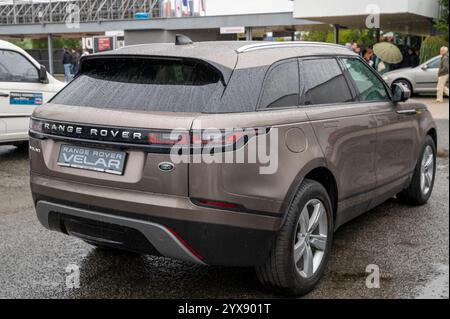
x=227, y=153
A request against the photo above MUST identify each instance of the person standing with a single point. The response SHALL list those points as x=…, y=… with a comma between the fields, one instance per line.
x=75, y=61
x=443, y=76
x=369, y=56
x=67, y=62
x=415, y=58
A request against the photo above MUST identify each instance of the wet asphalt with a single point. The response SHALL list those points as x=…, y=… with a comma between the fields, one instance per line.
x=410, y=245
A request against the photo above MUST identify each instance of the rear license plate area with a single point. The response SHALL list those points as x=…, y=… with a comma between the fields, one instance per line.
x=92, y=159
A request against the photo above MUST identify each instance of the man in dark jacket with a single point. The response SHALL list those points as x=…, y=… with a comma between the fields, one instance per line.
x=67, y=61
x=443, y=76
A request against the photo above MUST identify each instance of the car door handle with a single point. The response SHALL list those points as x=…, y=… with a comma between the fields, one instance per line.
x=3, y=94
x=407, y=112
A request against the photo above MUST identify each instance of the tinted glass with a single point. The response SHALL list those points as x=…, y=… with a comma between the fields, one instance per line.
x=281, y=87
x=144, y=84
x=14, y=67
x=370, y=87
x=435, y=64
x=322, y=82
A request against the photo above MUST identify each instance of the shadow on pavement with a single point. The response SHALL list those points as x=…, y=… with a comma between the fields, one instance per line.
x=12, y=153
x=114, y=274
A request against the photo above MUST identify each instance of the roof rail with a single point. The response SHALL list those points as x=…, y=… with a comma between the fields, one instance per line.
x=292, y=44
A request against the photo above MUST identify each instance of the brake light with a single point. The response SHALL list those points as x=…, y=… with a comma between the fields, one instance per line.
x=220, y=138
x=168, y=138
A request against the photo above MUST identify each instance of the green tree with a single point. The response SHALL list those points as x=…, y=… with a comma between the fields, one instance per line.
x=442, y=24
x=360, y=36
x=430, y=47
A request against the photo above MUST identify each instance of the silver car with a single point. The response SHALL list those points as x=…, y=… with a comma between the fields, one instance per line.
x=421, y=79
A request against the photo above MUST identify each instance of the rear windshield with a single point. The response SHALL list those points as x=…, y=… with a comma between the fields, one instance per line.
x=167, y=85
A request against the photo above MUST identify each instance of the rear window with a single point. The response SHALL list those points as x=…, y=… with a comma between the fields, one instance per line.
x=167, y=85
x=322, y=82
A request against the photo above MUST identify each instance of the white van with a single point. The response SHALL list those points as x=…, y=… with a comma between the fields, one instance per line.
x=24, y=84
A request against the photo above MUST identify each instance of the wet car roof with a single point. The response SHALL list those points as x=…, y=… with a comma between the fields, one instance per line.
x=224, y=54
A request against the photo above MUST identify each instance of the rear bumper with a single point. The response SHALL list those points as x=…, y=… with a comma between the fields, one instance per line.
x=163, y=225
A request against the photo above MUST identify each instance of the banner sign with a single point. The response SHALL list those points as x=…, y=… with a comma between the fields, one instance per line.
x=182, y=8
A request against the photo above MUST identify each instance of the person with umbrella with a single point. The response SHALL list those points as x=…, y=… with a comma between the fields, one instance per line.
x=387, y=55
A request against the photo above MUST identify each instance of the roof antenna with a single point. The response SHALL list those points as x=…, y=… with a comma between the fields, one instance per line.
x=182, y=40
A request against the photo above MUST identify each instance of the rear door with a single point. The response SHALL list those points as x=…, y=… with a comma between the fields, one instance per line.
x=397, y=130
x=345, y=129
x=20, y=92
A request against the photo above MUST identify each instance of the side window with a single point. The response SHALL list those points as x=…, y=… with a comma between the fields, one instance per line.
x=14, y=67
x=434, y=64
x=281, y=86
x=370, y=87
x=322, y=82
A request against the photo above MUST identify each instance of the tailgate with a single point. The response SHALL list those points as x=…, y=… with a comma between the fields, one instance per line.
x=95, y=136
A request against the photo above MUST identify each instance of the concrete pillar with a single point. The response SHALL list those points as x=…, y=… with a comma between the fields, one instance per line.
x=50, y=53
x=336, y=33
x=249, y=34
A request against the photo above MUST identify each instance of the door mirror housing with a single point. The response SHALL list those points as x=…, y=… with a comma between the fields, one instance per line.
x=43, y=78
x=424, y=67
x=400, y=93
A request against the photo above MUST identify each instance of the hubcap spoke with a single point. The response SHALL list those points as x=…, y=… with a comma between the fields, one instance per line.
x=319, y=242
x=429, y=161
x=315, y=218
x=308, y=262
x=304, y=220
x=299, y=250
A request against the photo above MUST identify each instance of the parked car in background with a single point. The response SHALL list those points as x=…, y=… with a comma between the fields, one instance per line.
x=344, y=142
x=421, y=79
x=24, y=84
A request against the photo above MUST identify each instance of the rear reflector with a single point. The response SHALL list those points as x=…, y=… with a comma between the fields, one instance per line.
x=218, y=204
x=185, y=244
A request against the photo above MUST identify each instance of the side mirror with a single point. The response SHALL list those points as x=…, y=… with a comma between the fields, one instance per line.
x=400, y=93
x=43, y=74
x=424, y=67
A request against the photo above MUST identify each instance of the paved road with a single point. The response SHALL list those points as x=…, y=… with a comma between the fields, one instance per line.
x=409, y=244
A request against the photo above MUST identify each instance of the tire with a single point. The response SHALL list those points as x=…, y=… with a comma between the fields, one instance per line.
x=406, y=83
x=416, y=194
x=280, y=272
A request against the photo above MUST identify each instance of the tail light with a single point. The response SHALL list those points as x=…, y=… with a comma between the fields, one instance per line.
x=169, y=138
x=36, y=125
x=154, y=140
x=224, y=138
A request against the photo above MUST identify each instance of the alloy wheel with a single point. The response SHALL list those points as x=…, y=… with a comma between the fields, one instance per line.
x=310, y=238
x=427, y=170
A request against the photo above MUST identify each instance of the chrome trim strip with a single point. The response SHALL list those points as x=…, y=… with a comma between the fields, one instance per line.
x=160, y=237
x=407, y=112
x=293, y=44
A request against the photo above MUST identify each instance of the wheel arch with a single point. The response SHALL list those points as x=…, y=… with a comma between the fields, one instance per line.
x=319, y=172
x=433, y=133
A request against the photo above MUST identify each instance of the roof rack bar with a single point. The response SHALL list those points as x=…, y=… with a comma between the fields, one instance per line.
x=271, y=45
